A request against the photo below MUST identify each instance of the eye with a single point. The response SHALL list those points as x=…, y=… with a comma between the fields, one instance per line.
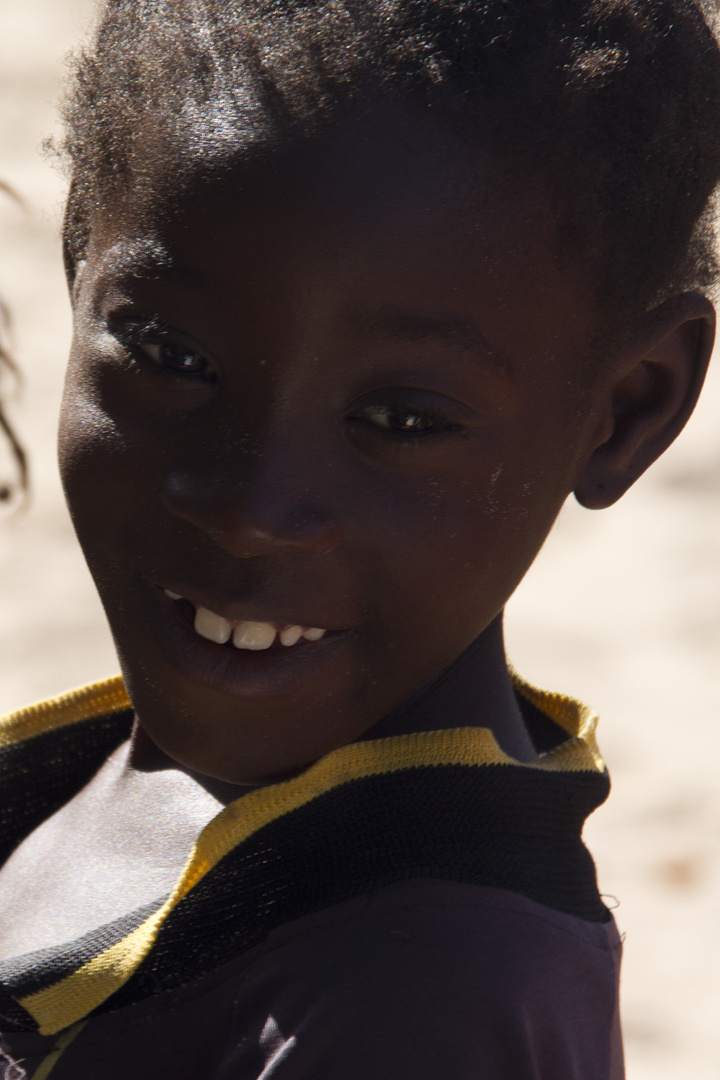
x=403, y=420
x=162, y=348
x=174, y=357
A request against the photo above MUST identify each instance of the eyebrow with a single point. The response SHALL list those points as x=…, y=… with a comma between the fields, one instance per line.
x=394, y=324
x=146, y=258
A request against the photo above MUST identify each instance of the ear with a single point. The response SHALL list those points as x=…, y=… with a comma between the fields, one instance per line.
x=649, y=397
x=75, y=235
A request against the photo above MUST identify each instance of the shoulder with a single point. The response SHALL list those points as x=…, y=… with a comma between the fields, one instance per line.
x=429, y=979
x=444, y=917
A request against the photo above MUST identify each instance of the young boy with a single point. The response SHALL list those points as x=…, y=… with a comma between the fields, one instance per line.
x=362, y=293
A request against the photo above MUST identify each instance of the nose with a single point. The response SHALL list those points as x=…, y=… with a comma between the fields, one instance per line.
x=263, y=514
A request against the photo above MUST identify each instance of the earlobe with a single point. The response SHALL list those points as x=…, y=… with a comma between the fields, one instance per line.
x=645, y=405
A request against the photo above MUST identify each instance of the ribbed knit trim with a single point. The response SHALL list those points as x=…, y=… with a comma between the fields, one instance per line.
x=97, y=699
x=71, y=997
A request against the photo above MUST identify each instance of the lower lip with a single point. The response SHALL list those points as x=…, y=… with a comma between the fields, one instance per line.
x=242, y=672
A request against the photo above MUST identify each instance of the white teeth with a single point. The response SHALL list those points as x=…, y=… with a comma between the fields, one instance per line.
x=253, y=635
x=247, y=634
x=211, y=626
x=172, y=595
x=290, y=635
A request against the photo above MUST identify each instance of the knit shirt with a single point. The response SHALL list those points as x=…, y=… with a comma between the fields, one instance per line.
x=446, y=805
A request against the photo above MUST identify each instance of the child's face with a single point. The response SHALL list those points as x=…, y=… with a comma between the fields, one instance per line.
x=345, y=391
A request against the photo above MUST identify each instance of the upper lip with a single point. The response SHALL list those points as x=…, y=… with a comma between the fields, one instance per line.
x=248, y=612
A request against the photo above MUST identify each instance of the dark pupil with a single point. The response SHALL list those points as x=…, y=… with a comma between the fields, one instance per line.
x=409, y=421
x=181, y=359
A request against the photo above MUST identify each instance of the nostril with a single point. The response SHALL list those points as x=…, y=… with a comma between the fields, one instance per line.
x=186, y=497
x=188, y=491
x=196, y=500
x=249, y=519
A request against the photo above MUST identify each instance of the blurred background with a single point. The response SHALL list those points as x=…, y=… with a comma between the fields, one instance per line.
x=621, y=609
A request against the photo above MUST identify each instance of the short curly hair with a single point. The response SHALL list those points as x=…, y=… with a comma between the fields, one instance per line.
x=615, y=103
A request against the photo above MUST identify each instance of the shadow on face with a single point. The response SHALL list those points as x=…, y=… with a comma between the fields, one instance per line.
x=343, y=388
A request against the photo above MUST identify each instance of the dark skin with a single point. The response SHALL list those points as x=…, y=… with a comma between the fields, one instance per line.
x=349, y=388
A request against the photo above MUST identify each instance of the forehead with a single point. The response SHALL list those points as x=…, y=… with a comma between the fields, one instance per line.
x=393, y=165
x=391, y=212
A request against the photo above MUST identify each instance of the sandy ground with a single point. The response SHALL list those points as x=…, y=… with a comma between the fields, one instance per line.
x=622, y=608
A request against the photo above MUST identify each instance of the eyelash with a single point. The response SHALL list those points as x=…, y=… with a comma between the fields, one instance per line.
x=139, y=337
x=381, y=419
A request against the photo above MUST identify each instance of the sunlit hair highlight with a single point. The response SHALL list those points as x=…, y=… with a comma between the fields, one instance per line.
x=614, y=103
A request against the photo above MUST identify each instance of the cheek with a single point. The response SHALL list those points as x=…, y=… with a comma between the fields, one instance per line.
x=86, y=431
x=103, y=437
x=98, y=467
x=449, y=551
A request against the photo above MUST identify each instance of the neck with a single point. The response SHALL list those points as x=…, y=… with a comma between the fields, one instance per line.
x=474, y=691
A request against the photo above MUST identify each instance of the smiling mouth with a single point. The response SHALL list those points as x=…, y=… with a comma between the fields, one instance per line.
x=247, y=634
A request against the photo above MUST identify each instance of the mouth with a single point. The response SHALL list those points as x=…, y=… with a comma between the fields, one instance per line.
x=246, y=633
x=244, y=657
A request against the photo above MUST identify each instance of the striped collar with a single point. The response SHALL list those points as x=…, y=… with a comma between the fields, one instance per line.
x=342, y=803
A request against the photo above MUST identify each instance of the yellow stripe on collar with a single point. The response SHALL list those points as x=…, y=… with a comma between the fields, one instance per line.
x=97, y=699
x=74, y=997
